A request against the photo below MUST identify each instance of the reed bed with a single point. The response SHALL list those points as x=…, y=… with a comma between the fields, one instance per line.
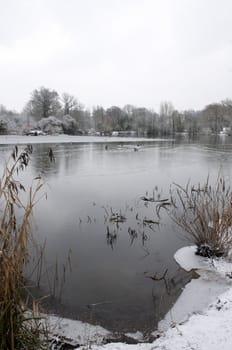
x=205, y=214
x=17, y=331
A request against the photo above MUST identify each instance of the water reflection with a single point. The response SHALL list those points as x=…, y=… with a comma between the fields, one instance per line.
x=104, y=236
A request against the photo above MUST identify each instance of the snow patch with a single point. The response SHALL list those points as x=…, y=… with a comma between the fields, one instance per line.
x=196, y=296
x=79, y=332
x=199, y=293
x=188, y=260
x=137, y=336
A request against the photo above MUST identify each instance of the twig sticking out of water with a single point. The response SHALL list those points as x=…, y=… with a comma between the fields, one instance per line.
x=111, y=238
x=144, y=238
x=156, y=278
x=161, y=278
x=116, y=217
x=164, y=205
x=133, y=234
x=106, y=211
x=51, y=155
x=149, y=222
x=147, y=199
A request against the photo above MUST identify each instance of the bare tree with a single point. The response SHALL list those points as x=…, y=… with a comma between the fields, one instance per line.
x=69, y=103
x=99, y=118
x=166, y=117
x=116, y=118
x=213, y=115
x=3, y=126
x=227, y=108
x=3, y=109
x=192, y=121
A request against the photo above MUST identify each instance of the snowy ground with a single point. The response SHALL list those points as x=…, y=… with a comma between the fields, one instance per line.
x=200, y=319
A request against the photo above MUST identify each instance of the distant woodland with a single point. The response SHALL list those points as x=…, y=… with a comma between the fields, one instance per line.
x=52, y=113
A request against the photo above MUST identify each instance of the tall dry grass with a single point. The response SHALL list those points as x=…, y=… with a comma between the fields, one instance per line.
x=204, y=212
x=16, y=329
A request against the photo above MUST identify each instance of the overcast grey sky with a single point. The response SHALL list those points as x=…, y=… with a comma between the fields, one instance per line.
x=117, y=52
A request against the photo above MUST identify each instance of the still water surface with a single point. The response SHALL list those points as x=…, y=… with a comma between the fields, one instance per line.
x=99, y=270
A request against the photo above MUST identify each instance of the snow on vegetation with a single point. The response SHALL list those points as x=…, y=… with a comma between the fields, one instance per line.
x=51, y=125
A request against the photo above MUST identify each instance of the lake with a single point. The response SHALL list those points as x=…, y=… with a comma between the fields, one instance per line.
x=102, y=242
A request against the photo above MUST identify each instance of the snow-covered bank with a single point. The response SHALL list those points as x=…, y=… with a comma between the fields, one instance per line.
x=75, y=332
x=209, y=330
x=200, y=319
x=62, y=138
x=198, y=293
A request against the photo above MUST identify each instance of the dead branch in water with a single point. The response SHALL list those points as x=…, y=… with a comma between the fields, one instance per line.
x=156, y=278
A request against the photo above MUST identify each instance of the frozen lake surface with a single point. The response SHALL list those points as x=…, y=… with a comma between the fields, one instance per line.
x=99, y=270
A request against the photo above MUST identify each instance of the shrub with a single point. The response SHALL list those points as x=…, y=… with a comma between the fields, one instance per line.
x=205, y=213
x=51, y=125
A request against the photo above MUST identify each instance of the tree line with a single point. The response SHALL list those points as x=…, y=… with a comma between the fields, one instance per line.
x=54, y=113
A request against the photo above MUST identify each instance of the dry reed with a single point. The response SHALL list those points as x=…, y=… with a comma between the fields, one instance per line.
x=16, y=330
x=205, y=213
